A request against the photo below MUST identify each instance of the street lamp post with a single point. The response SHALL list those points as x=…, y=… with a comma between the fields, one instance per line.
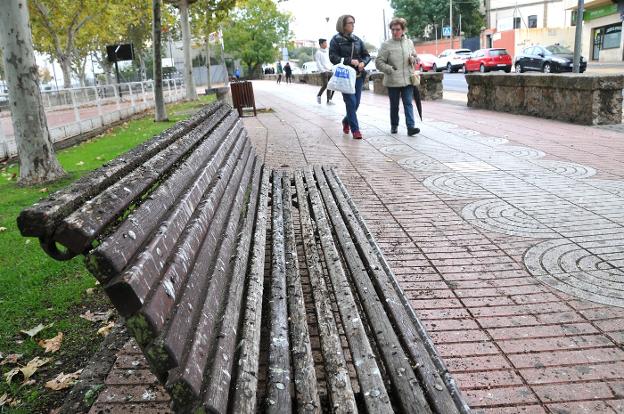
x=578, y=37
x=451, y=20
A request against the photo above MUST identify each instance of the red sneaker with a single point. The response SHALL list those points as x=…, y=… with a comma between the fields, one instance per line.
x=357, y=135
x=345, y=127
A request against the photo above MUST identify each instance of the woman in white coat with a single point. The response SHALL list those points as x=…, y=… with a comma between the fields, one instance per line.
x=396, y=60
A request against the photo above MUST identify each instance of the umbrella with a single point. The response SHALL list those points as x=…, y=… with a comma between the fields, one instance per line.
x=418, y=101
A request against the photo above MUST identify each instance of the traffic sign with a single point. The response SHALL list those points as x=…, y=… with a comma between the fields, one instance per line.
x=446, y=31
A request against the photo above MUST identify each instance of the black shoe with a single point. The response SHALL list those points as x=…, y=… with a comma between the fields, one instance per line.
x=394, y=129
x=412, y=131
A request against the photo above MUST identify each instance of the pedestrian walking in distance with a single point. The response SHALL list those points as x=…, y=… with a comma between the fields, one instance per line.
x=280, y=70
x=321, y=57
x=396, y=60
x=347, y=48
x=288, y=72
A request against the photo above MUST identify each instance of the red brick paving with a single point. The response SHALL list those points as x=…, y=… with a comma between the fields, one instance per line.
x=513, y=344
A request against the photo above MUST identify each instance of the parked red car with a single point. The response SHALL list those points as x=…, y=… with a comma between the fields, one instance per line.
x=485, y=60
x=425, y=62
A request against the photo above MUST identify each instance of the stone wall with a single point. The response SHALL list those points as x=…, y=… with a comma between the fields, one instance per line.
x=430, y=85
x=577, y=98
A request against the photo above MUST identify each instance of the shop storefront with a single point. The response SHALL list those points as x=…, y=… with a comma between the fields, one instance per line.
x=602, y=31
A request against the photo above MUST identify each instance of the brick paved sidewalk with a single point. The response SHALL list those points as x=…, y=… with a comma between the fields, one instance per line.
x=505, y=231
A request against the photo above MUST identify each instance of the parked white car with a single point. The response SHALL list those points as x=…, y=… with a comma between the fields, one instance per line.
x=451, y=59
x=309, y=67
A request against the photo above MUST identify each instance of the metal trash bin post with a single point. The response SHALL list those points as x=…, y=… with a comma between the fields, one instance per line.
x=243, y=96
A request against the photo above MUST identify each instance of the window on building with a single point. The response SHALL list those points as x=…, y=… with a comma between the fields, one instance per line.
x=573, y=17
x=532, y=21
x=517, y=22
x=611, y=36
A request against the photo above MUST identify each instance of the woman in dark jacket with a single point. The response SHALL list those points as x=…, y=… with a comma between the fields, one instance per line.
x=347, y=48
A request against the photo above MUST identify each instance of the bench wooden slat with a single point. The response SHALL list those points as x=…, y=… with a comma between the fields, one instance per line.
x=41, y=219
x=408, y=393
x=219, y=377
x=369, y=373
x=181, y=249
x=180, y=192
x=341, y=395
x=443, y=393
x=278, y=399
x=179, y=334
x=80, y=228
x=306, y=392
x=169, y=256
x=246, y=388
x=186, y=380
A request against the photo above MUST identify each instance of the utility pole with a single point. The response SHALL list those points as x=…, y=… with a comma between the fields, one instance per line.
x=384, y=25
x=451, y=21
x=578, y=38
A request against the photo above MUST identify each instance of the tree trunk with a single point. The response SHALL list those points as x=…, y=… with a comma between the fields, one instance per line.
x=191, y=93
x=37, y=160
x=159, y=102
x=65, y=63
x=142, y=66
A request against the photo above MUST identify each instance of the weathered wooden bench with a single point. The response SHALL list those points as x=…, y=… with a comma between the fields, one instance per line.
x=247, y=289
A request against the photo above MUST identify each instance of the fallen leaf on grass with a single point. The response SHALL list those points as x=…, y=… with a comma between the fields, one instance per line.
x=52, y=344
x=3, y=229
x=97, y=316
x=105, y=330
x=63, y=381
x=90, y=291
x=9, y=375
x=43, y=190
x=27, y=371
x=34, y=331
x=6, y=400
x=32, y=366
x=11, y=359
x=79, y=163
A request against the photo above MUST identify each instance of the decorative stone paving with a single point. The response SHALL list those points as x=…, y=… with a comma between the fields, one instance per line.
x=569, y=267
x=405, y=150
x=455, y=184
x=498, y=216
x=567, y=169
x=491, y=141
x=423, y=163
x=522, y=152
x=381, y=141
x=613, y=187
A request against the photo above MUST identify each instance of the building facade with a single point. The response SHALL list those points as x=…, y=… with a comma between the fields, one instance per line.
x=602, y=30
x=515, y=24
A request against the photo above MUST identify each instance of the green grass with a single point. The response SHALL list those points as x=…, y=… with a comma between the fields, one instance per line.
x=37, y=289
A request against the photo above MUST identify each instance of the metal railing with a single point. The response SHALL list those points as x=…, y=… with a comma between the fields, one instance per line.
x=93, y=107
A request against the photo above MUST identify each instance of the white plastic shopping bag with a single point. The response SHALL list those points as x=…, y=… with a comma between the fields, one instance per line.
x=343, y=79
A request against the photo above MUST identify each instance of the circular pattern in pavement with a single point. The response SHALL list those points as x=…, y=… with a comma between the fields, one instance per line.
x=442, y=125
x=498, y=216
x=522, y=152
x=573, y=269
x=455, y=184
x=398, y=150
x=490, y=140
x=567, y=169
x=381, y=141
x=465, y=132
x=423, y=164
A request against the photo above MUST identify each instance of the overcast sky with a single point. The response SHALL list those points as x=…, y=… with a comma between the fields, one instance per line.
x=309, y=17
